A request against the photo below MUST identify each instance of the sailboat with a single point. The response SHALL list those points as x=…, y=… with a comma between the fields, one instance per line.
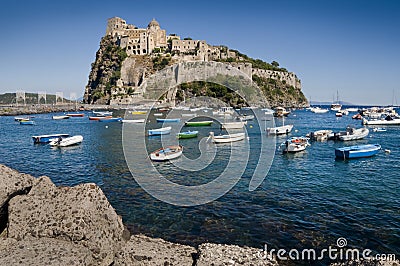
x=284, y=129
x=336, y=106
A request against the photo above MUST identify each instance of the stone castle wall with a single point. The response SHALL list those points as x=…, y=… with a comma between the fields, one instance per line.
x=289, y=78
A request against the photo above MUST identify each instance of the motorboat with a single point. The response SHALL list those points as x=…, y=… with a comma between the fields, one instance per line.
x=167, y=153
x=319, y=135
x=59, y=117
x=226, y=138
x=187, y=134
x=65, y=142
x=359, y=151
x=319, y=110
x=75, y=115
x=281, y=130
x=233, y=125
x=354, y=134
x=111, y=119
x=388, y=120
x=379, y=129
x=281, y=112
x=295, y=144
x=160, y=131
x=133, y=120
x=48, y=138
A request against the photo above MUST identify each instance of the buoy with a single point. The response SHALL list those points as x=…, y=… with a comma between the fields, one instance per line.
x=296, y=130
x=106, y=126
x=251, y=126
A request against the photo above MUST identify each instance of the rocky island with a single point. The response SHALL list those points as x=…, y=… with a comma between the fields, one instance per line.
x=128, y=55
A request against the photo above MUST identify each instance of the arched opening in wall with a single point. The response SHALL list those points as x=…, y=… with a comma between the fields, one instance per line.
x=138, y=51
x=129, y=47
x=134, y=47
x=134, y=52
x=144, y=51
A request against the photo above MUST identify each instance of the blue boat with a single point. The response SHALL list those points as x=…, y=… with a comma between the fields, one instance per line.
x=113, y=119
x=160, y=131
x=168, y=120
x=26, y=122
x=359, y=151
x=48, y=138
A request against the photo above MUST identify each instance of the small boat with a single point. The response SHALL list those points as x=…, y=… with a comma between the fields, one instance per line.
x=102, y=113
x=187, y=134
x=188, y=115
x=351, y=133
x=281, y=112
x=138, y=112
x=295, y=144
x=227, y=138
x=69, y=141
x=379, y=129
x=352, y=109
x=318, y=110
x=99, y=117
x=357, y=117
x=168, y=120
x=133, y=120
x=26, y=122
x=319, y=135
x=59, y=117
x=111, y=119
x=48, y=138
x=339, y=114
x=19, y=118
x=198, y=123
x=224, y=111
x=285, y=129
x=359, y=151
x=233, y=125
x=386, y=121
x=167, y=153
x=75, y=115
x=160, y=131
x=246, y=117
x=158, y=114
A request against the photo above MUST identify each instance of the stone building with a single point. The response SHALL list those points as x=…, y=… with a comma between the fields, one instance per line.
x=137, y=41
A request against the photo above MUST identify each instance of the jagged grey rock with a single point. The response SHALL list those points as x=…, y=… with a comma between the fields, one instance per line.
x=143, y=250
x=218, y=254
x=80, y=214
x=44, y=251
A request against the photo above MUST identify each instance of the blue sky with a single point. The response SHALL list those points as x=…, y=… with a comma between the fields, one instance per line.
x=346, y=46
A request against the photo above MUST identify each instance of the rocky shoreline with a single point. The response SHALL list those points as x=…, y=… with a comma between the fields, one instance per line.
x=42, y=224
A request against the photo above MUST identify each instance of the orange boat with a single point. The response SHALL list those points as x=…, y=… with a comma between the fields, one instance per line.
x=99, y=117
x=75, y=115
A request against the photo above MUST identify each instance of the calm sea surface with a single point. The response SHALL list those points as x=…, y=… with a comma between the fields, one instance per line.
x=307, y=200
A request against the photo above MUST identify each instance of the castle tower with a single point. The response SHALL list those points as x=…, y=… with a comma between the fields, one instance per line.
x=116, y=26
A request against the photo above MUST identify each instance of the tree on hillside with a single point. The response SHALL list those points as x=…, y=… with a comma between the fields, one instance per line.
x=275, y=64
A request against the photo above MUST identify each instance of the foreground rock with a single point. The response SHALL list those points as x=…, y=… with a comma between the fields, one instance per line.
x=143, y=250
x=217, y=254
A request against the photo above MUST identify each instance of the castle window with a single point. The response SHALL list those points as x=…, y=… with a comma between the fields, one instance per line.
x=144, y=51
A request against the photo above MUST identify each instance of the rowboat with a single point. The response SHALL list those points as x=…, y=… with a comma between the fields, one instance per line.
x=132, y=120
x=187, y=134
x=286, y=129
x=198, y=123
x=359, y=151
x=69, y=141
x=75, y=115
x=233, y=125
x=227, y=138
x=102, y=113
x=111, y=119
x=59, y=117
x=295, y=144
x=138, y=112
x=26, y=122
x=168, y=120
x=48, y=138
x=160, y=131
x=99, y=117
x=19, y=118
x=354, y=134
x=167, y=153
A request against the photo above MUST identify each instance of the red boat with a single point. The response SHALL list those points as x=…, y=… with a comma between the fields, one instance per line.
x=75, y=115
x=99, y=117
x=357, y=116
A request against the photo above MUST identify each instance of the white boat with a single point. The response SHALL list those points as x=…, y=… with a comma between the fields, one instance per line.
x=167, y=153
x=320, y=135
x=286, y=129
x=102, y=113
x=386, y=121
x=352, y=109
x=281, y=112
x=59, y=117
x=246, y=117
x=336, y=107
x=160, y=131
x=295, y=144
x=133, y=120
x=227, y=138
x=224, y=111
x=158, y=114
x=64, y=142
x=338, y=114
x=19, y=118
x=379, y=129
x=354, y=134
x=318, y=110
x=233, y=125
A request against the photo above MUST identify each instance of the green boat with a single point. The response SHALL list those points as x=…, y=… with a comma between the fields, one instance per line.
x=187, y=134
x=198, y=123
